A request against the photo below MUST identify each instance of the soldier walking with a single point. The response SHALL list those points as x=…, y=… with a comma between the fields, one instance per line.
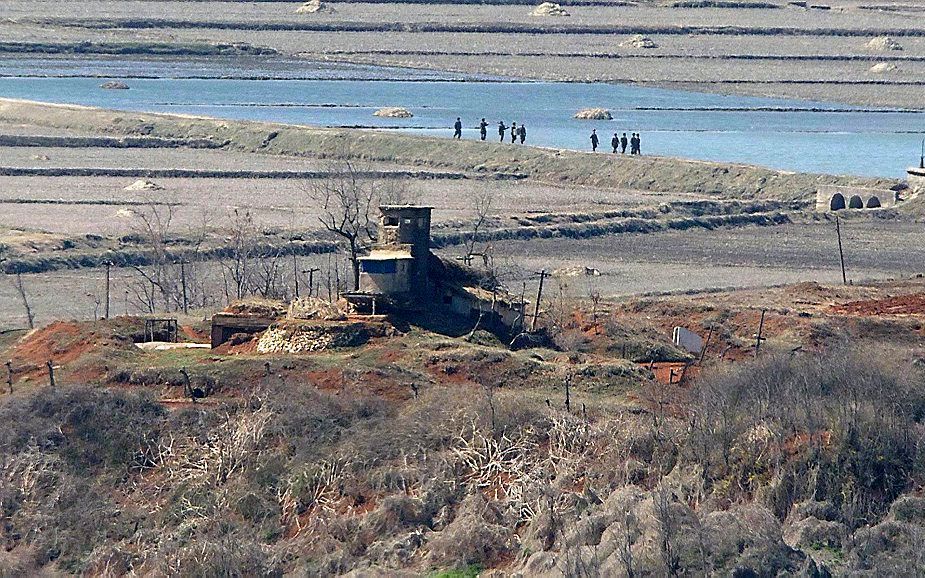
x=623, y=143
x=594, y=140
x=522, y=133
x=483, y=129
x=615, y=143
x=502, y=130
x=513, y=132
x=457, y=129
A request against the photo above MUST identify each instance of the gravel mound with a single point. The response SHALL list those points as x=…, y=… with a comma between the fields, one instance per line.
x=639, y=41
x=393, y=112
x=883, y=43
x=594, y=114
x=549, y=9
x=315, y=7
x=882, y=67
x=114, y=85
x=143, y=185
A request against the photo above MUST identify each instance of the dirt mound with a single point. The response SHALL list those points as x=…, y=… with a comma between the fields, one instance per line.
x=315, y=7
x=549, y=9
x=258, y=307
x=594, y=114
x=114, y=85
x=71, y=346
x=143, y=185
x=900, y=305
x=883, y=43
x=882, y=67
x=639, y=41
x=393, y=112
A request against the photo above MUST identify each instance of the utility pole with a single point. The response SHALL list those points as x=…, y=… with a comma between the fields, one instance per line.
x=311, y=279
x=183, y=284
x=295, y=272
x=539, y=296
x=922, y=158
x=841, y=253
x=759, y=338
x=108, y=271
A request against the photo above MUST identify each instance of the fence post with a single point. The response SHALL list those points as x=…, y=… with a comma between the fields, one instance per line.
x=51, y=372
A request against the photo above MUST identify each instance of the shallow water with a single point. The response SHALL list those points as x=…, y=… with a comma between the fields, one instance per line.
x=783, y=134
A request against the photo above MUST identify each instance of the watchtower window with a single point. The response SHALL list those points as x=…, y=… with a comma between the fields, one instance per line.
x=391, y=221
x=379, y=267
x=408, y=221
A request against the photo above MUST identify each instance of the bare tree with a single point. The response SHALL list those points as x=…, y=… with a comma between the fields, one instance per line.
x=482, y=203
x=348, y=203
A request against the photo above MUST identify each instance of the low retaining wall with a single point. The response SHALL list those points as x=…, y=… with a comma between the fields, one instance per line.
x=836, y=198
x=917, y=180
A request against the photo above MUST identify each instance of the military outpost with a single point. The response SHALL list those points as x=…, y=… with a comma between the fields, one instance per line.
x=400, y=275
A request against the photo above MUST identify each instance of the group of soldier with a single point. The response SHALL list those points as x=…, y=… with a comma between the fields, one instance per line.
x=619, y=143
x=516, y=132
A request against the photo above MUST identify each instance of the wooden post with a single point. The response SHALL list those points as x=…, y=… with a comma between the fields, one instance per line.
x=539, y=296
x=759, y=338
x=9, y=375
x=108, y=271
x=568, y=392
x=841, y=253
x=51, y=372
x=703, y=352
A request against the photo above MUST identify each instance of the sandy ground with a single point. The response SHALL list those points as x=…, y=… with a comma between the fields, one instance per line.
x=274, y=202
x=787, y=51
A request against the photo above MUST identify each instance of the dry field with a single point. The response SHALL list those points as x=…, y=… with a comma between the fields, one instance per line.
x=680, y=261
x=782, y=50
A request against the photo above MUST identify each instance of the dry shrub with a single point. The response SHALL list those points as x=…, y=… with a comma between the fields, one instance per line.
x=840, y=427
x=477, y=535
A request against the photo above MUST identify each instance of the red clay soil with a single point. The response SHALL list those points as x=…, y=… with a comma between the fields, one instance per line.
x=60, y=342
x=673, y=373
x=901, y=305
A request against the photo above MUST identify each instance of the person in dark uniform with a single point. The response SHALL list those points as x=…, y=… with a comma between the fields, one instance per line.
x=502, y=130
x=522, y=133
x=483, y=129
x=623, y=143
x=594, y=140
x=615, y=143
x=633, y=144
x=513, y=132
x=638, y=144
x=457, y=129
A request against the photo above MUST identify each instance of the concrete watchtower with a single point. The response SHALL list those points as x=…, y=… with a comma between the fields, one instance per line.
x=397, y=266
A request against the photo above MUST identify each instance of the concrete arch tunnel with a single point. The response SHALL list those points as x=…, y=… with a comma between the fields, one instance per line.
x=832, y=198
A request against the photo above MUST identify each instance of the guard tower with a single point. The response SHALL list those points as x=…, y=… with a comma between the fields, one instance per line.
x=396, y=268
